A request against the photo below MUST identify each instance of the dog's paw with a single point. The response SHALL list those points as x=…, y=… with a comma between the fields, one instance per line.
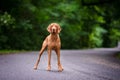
x=60, y=69
x=35, y=68
x=49, y=68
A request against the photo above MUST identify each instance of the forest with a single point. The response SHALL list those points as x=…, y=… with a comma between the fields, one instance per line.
x=85, y=23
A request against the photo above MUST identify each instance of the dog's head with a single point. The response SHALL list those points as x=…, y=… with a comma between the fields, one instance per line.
x=54, y=28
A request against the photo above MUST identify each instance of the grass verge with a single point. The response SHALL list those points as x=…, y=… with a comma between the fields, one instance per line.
x=117, y=55
x=3, y=52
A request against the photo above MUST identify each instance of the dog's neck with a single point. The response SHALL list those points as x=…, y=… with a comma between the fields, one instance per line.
x=54, y=37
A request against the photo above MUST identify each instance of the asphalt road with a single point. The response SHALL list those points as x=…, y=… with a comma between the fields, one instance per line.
x=95, y=64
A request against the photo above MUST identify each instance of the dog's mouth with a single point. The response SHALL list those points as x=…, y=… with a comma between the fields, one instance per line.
x=54, y=30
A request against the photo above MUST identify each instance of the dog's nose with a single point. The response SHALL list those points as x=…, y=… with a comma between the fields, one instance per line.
x=53, y=29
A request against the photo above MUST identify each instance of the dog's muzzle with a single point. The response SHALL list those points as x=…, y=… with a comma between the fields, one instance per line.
x=54, y=29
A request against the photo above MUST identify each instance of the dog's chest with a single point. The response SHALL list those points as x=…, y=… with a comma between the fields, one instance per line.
x=53, y=45
x=53, y=42
x=53, y=39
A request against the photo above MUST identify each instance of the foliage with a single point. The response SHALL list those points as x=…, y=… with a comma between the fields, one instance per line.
x=84, y=23
x=96, y=36
x=6, y=19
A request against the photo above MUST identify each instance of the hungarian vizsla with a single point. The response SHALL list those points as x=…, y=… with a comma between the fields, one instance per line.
x=52, y=42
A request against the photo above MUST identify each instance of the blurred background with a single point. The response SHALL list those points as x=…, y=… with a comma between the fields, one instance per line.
x=85, y=23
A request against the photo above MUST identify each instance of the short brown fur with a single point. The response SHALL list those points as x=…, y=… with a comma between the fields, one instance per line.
x=52, y=42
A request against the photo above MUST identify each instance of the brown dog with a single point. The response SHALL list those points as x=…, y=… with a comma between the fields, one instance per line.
x=52, y=42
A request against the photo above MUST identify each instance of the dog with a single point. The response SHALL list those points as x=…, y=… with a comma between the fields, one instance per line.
x=52, y=42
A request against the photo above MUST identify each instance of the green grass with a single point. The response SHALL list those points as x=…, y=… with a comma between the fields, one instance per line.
x=2, y=52
x=117, y=55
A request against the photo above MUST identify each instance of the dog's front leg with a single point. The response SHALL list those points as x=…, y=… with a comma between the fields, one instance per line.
x=49, y=59
x=38, y=60
x=40, y=53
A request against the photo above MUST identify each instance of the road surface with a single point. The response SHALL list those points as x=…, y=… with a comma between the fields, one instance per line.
x=94, y=64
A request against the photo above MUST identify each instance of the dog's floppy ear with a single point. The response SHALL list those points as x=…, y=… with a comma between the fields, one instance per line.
x=59, y=28
x=49, y=28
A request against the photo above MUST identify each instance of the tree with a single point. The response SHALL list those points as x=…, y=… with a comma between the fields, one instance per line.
x=85, y=23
